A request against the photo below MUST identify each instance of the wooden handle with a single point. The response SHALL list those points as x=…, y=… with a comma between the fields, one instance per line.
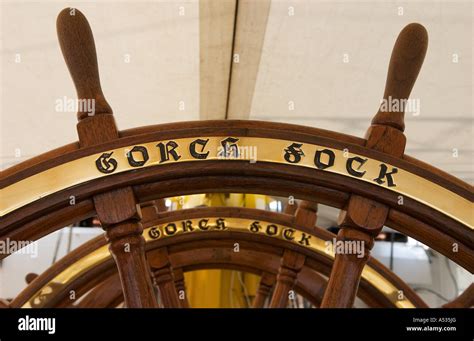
x=405, y=64
x=77, y=46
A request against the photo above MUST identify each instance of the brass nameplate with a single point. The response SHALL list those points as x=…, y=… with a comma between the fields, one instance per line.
x=251, y=149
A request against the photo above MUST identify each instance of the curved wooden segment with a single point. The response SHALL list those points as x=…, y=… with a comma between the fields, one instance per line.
x=465, y=300
x=360, y=168
x=107, y=294
x=227, y=177
x=222, y=226
x=431, y=235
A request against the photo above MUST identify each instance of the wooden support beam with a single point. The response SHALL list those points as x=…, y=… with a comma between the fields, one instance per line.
x=360, y=223
x=291, y=264
x=306, y=214
x=120, y=217
x=405, y=65
x=267, y=281
x=108, y=294
x=181, y=287
x=164, y=278
x=117, y=210
x=363, y=218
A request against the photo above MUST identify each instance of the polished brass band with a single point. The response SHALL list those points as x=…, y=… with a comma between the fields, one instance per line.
x=253, y=149
x=203, y=225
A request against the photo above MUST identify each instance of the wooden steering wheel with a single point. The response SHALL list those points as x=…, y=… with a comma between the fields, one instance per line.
x=204, y=238
x=108, y=173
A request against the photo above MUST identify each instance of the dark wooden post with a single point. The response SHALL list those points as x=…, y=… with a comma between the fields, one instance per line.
x=306, y=214
x=291, y=209
x=291, y=264
x=164, y=279
x=120, y=216
x=117, y=210
x=150, y=209
x=405, y=65
x=360, y=223
x=364, y=218
x=265, y=287
x=181, y=287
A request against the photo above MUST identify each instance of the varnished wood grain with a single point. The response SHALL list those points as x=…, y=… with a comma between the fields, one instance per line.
x=405, y=64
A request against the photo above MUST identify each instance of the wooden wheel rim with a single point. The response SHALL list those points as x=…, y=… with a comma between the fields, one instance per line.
x=376, y=276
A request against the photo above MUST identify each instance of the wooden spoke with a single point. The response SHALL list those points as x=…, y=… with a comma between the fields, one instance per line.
x=405, y=64
x=291, y=208
x=181, y=287
x=364, y=218
x=306, y=214
x=30, y=277
x=120, y=217
x=150, y=209
x=164, y=278
x=291, y=264
x=126, y=192
x=117, y=210
x=78, y=48
x=267, y=281
x=360, y=223
x=208, y=249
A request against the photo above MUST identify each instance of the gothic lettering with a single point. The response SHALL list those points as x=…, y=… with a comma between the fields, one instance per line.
x=105, y=163
x=229, y=149
x=388, y=175
x=255, y=226
x=170, y=229
x=203, y=224
x=154, y=233
x=324, y=159
x=304, y=239
x=167, y=150
x=198, y=155
x=272, y=230
x=131, y=157
x=288, y=234
x=220, y=224
x=350, y=166
x=319, y=160
x=293, y=153
x=187, y=226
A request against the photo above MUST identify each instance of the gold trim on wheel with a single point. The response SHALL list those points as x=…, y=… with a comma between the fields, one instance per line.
x=250, y=149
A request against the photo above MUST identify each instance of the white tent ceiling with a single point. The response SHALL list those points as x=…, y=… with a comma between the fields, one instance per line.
x=316, y=63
